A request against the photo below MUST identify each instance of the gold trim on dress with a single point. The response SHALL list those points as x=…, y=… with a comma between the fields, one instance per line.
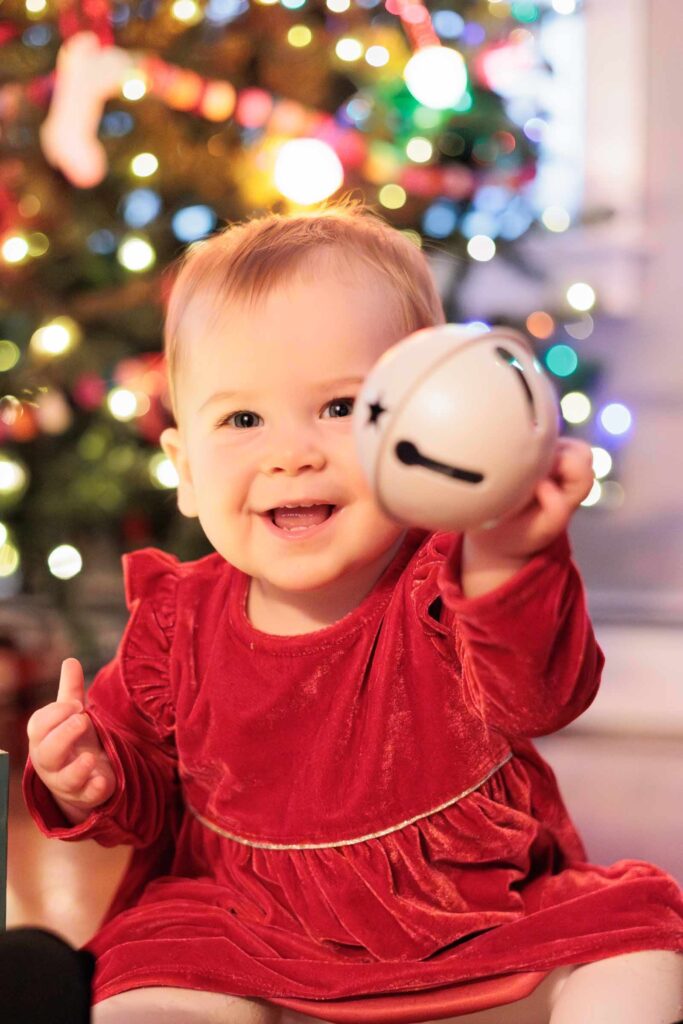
x=344, y=842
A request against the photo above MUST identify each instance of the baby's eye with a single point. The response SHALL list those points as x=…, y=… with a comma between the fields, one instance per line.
x=242, y=420
x=340, y=407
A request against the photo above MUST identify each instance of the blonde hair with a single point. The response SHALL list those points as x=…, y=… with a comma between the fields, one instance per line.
x=248, y=260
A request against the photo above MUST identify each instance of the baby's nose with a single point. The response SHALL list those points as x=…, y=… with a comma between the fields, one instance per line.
x=293, y=456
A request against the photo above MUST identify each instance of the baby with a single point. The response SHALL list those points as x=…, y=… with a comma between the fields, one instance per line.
x=317, y=739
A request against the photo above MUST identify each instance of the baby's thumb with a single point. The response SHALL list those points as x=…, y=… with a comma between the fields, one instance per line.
x=71, y=682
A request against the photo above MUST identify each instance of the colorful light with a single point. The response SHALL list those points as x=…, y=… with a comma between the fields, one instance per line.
x=580, y=329
x=392, y=197
x=602, y=462
x=338, y=6
x=419, y=150
x=576, y=407
x=556, y=218
x=187, y=11
x=436, y=76
x=162, y=471
x=349, y=49
x=134, y=86
x=9, y=354
x=299, y=36
x=561, y=360
x=581, y=296
x=13, y=476
x=57, y=337
x=193, y=222
x=481, y=248
x=144, y=165
x=564, y=6
x=377, y=56
x=122, y=404
x=440, y=219
x=594, y=495
x=307, y=171
x=15, y=249
x=9, y=559
x=136, y=254
x=616, y=418
x=540, y=324
x=65, y=562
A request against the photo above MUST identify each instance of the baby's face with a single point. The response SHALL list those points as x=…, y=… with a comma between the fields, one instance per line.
x=265, y=396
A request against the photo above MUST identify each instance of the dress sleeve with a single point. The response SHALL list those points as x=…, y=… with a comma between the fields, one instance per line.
x=131, y=706
x=530, y=660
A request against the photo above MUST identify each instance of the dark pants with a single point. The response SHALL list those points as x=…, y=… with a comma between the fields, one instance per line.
x=42, y=979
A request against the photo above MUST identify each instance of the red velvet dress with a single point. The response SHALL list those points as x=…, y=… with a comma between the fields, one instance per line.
x=354, y=822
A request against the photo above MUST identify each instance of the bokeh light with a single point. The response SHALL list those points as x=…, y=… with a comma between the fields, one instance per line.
x=481, y=248
x=64, y=562
x=307, y=171
x=436, y=76
x=616, y=418
x=602, y=462
x=581, y=296
x=576, y=407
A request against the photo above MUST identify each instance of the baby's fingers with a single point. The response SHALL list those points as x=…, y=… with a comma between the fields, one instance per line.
x=56, y=748
x=45, y=719
x=73, y=778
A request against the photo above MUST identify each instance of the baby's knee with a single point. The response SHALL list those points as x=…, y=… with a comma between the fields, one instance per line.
x=182, y=1006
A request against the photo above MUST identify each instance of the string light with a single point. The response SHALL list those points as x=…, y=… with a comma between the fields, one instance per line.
x=576, y=407
x=144, y=165
x=9, y=354
x=135, y=86
x=65, y=562
x=136, y=254
x=299, y=35
x=602, y=462
x=581, y=296
x=419, y=149
x=556, y=218
x=616, y=418
x=481, y=248
x=122, y=404
x=15, y=249
x=392, y=197
x=162, y=471
x=594, y=495
x=436, y=76
x=540, y=324
x=9, y=559
x=57, y=337
x=13, y=476
x=377, y=56
x=307, y=171
x=348, y=49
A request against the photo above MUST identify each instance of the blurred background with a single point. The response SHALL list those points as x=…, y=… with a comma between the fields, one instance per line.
x=530, y=147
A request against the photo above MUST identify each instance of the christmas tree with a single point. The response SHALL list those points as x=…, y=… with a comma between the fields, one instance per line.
x=205, y=115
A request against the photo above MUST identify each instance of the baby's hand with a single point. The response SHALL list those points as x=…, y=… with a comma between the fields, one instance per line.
x=65, y=750
x=547, y=515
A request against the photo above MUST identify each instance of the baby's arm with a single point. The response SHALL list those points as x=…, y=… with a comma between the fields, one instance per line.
x=65, y=750
x=529, y=658
x=131, y=747
x=491, y=557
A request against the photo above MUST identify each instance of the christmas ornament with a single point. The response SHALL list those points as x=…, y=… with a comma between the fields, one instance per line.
x=454, y=429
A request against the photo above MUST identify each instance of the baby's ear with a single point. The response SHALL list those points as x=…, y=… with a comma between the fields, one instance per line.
x=173, y=446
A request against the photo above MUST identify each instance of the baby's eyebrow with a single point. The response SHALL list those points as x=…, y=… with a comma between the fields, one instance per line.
x=329, y=385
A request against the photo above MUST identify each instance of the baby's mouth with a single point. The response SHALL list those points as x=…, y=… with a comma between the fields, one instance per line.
x=300, y=517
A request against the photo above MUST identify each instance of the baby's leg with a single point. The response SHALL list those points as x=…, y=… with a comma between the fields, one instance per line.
x=634, y=988
x=181, y=1006
x=534, y=1009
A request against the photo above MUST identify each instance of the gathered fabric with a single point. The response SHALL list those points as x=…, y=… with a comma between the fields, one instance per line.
x=357, y=812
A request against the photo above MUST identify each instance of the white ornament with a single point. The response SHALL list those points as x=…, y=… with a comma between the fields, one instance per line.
x=454, y=429
x=87, y=74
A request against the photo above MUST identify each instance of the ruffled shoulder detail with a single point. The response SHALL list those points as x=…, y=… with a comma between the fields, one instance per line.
x=426, y=597
x=151, y=579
